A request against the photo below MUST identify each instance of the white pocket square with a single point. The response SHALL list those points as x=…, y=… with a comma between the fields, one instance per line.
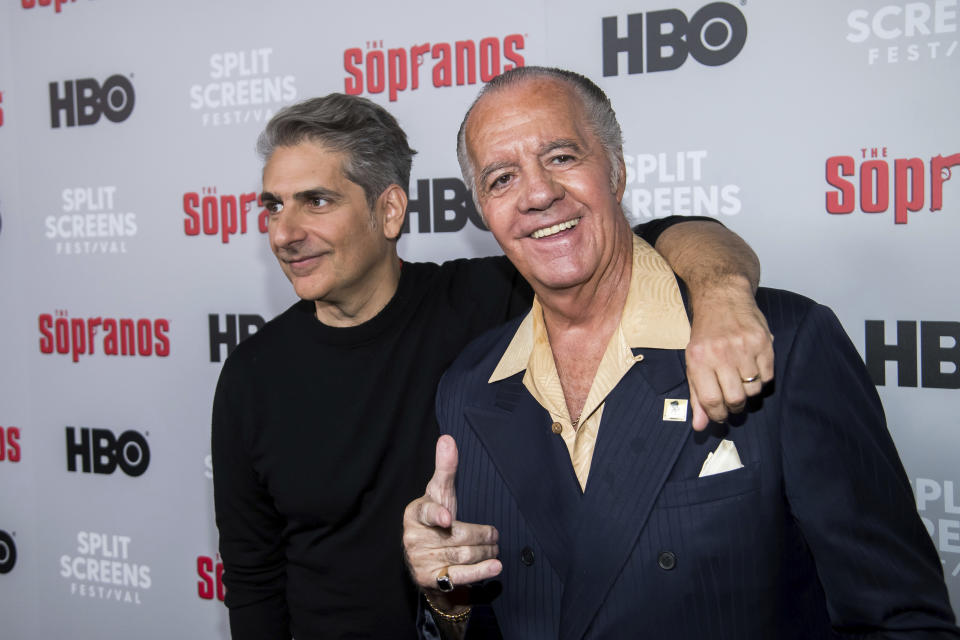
x=725, y=458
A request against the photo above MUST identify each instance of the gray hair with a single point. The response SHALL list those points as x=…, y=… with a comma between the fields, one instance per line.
x=600, y=116
x=376, y=149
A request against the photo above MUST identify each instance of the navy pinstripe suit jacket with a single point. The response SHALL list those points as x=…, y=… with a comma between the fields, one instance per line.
x=817, y=535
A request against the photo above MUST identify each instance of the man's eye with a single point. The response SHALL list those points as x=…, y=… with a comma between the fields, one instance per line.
x=501, y=180
x=319, y=202
x=274, y=207
x=563, y=158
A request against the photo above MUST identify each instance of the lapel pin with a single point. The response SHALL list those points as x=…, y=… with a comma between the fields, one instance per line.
x=675, y=410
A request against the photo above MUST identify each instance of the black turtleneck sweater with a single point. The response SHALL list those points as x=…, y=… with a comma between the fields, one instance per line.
x=322, y=435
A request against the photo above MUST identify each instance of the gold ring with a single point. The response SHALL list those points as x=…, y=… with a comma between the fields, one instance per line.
x=444, y=583
x=750, y=379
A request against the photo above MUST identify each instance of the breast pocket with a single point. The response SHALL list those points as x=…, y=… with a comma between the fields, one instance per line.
x=722, y=486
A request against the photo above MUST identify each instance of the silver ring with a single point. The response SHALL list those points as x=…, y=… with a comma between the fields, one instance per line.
x=444, y=583
x=750, y=379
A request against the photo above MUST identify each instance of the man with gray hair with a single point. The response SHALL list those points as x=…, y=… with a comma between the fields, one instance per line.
x=323, y=421
x=580, y=501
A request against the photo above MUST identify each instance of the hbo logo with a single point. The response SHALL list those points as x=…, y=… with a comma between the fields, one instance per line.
x=84, y=101
x=99, y=451
x=713, y=37
x=8, y=552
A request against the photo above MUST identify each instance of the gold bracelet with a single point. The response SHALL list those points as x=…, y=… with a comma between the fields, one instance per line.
x=448, y=617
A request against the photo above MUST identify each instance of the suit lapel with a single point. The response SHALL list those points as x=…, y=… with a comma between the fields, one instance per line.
x=634, y=453
x=515, y=431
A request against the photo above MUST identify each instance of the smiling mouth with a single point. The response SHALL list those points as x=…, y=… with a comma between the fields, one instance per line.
x=557, y=228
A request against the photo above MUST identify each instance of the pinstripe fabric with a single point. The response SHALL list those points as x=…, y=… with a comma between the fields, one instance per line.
x=815, y=536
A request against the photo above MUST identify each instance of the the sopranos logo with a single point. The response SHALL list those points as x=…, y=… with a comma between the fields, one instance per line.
x=8, y=552
x=713, y=36
x=90, y=223
x=223, y=215
x=210, y=572
x=905, y=32
x=243, y=87
x=103, y=568
x=9, y=444
x=100, y=451
x=938, y=502
x=376, y=69
x=661, y=184
x=876, y=185
x=82, y=102
x=77, y=337
x=56, y=4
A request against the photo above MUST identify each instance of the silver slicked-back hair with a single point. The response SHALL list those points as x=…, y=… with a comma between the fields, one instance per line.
x=600, y=115
x=376, y=149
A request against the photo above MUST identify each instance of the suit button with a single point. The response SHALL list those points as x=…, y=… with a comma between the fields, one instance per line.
x=556, y=427
x=667, y=560
x=527, y=556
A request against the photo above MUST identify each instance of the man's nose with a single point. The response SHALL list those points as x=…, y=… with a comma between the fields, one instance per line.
x=539, y=190
x=288, y=227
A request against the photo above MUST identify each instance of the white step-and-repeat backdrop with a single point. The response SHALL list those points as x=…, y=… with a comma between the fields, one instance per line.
x=133, y=254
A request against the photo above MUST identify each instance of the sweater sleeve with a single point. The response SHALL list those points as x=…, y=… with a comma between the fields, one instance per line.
x=251, y=529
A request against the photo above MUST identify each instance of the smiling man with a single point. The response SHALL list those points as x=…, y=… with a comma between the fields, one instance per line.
x=323, y=422
x=580, y=493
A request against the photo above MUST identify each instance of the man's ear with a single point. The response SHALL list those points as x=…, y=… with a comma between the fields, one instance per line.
x=392, y=210
x=622, y=182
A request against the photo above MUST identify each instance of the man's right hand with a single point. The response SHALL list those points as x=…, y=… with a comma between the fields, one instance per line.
x=434, y=540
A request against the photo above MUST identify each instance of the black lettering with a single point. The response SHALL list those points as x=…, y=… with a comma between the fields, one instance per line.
x=64, y=103
x=903, y=352
x=78, y=449
x=632, y=44
x=420, y=206
x=933, y=355
x=227, y=337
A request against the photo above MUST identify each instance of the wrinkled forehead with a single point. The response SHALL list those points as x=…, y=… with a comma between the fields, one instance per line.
x=548, y=105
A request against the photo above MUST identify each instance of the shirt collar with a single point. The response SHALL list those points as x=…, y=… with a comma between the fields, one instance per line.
x=653, y=316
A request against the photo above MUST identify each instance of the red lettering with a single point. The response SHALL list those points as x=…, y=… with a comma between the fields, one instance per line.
x=221, y=591
x=160, y=329
x=416, y=59
x=205, y=585
x=110, y=340
x=79, y=334
x=13, y=441
x=127, y=338
x=191, y=225
x=397, y=64
x=466, y=60
x=940, y=173
x=228, y=217
x=263, y=220
x=901, y=204
x=92, y=324
x=144, y=337
x=874, y=186
x=13, y=444
x=28, y=4
x=489, y=59
x=246, y=200
x=510, y=45
x=842, y=202
x=351, y=58
x=442, y=73
x=210, y=222
x=45, y=322
x=62, y=331
x=375, y=71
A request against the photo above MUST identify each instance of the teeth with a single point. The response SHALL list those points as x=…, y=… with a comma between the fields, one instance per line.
x=557, y=228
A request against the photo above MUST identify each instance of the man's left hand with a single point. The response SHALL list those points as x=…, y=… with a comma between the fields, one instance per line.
x=730, y=354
